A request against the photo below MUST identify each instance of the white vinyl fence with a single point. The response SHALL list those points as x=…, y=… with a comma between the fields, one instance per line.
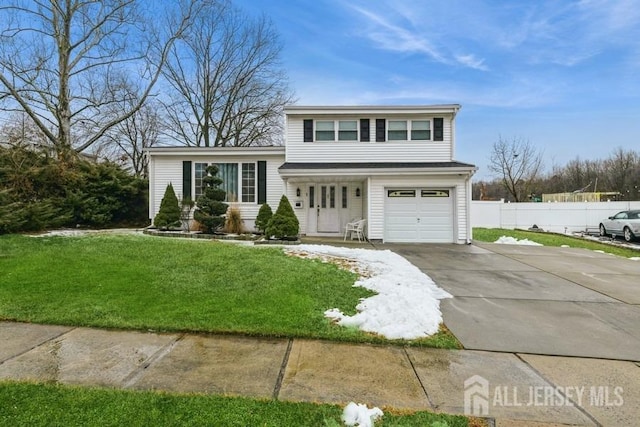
x=556, y=217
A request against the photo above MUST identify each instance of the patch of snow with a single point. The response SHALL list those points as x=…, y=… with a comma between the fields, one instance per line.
x=635, y=258
x=80, y=233
x=565, y=246
x=357, y=414
x=508, y=240
x=407, y=304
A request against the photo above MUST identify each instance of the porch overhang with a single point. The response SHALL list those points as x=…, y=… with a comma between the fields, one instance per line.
x=296, y=170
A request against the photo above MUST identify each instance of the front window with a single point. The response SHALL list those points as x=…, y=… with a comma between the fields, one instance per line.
x=325, y=131
x=228, y=173
x=248, y=182
x=200, y=172
x=348, y=130
x=397, y=130
x=420, y=130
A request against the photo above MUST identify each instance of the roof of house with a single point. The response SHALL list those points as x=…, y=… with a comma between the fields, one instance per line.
x=371, y=109
x=209, y=151
x=290, y=168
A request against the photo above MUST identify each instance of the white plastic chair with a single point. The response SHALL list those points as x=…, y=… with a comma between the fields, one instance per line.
x=355, y=227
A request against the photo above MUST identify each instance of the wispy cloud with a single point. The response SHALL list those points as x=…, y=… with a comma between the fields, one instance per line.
x=472, y=62
x=406, y=36
x=396, y=38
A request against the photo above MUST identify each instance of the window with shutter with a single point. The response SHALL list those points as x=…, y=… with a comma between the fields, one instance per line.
x=307, y=125
x=364, y=130
x=381, y=132
x=438, y=129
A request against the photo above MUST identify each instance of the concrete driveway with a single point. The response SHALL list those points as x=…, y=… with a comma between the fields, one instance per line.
x=534, y=299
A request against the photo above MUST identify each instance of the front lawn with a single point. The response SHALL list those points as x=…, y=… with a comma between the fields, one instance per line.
x=55, y=405
x=164, y=284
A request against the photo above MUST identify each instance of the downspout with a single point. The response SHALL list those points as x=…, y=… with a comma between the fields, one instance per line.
x=469, y=200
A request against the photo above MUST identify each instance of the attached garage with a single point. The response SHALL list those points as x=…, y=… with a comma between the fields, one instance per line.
x=419, y=215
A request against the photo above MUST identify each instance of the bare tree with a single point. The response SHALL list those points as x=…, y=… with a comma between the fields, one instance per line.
x=126, y=141
x=518, y=164
x=66, y=62
x=19, y=130
x=622, y=172
x=228, y=85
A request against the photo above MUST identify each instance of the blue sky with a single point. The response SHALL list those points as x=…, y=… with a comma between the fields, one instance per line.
x=563, y=74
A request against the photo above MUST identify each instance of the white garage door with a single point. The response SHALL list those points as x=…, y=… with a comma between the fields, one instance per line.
x=418, y=215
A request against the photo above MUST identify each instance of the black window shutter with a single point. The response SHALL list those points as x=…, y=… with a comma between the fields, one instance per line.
x=186, y=179
x=364, y=130
x=381, y=130
x=438, y=129
x=262, y=182
x=308, y=130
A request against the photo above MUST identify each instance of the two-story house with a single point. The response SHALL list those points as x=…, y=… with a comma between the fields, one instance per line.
x=391, y=165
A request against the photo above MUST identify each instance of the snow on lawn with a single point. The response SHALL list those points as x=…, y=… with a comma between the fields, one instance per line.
x=507, y=240
x=407, y=304
x=355, y=414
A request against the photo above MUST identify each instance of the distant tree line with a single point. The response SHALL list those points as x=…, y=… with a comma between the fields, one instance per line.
x=618, y=173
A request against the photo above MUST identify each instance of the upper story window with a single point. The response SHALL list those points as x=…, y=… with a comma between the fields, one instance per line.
x=326, y=130
x=409, y=130
x=397, y=130
x=348, y=130
x=420, y=130
x=381, y=129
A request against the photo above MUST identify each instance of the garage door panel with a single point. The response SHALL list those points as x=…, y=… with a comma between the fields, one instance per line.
x=419, y=219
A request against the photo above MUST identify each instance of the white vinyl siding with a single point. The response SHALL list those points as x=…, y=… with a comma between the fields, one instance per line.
x=356, y=151
x=165, y=169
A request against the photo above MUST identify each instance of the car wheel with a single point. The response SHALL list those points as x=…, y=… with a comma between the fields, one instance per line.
x=628, y=235
x=603, y=231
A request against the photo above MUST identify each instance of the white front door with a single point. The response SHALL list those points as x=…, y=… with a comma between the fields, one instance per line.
x=327, y=209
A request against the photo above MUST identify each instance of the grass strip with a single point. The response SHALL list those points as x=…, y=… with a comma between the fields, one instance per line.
x=552, y=239
x=27, y=404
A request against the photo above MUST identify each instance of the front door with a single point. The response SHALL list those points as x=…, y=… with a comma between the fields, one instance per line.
x=327, y=210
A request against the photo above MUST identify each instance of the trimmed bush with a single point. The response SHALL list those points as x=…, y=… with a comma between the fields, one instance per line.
x=284, y=223
x=169, y=214
x=210, y=205
x=233, y=222
x=264, y=216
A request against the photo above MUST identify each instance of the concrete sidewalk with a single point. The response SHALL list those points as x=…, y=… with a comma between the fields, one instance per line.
x=518, y=390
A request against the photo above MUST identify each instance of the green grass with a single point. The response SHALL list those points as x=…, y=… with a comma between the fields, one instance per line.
x=551, y=239
x=165, y=284
x=24, y=404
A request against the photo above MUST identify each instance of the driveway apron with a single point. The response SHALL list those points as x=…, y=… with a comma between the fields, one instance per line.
x=536, y=300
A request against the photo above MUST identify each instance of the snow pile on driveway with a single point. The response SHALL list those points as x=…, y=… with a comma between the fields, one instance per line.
x=407, y=304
